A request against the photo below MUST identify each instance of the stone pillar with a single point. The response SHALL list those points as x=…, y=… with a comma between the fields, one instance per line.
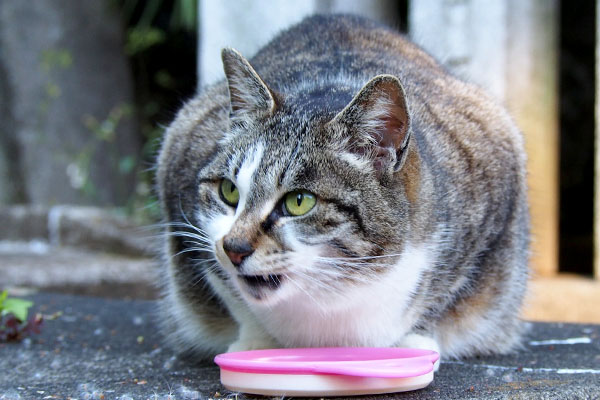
x=508, y=47
x=66, y=124
x=12, y=189
x=247, y=25
x=468, y=36
x=532, y=97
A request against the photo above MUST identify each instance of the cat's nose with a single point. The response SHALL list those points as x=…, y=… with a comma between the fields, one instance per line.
x=237, y=250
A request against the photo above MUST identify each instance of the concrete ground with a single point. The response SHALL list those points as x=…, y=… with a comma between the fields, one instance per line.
x=94, y=348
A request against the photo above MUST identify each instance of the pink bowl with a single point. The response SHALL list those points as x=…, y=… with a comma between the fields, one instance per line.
x=357, y=362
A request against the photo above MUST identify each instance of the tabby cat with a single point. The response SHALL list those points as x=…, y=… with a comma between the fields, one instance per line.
x=341, y=188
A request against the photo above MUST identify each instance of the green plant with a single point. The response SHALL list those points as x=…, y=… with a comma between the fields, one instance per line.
x=160, y=43
x=14, y=324
x=183, y=14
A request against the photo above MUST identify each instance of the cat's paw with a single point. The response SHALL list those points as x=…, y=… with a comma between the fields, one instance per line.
x=417, y=341
x=251, y=344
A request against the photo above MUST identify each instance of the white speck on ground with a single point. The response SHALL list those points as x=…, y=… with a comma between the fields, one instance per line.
x=10, y=395
x=169, y=363
x=551, y=342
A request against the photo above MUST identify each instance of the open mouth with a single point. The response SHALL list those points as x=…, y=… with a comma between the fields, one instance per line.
x=258, y=282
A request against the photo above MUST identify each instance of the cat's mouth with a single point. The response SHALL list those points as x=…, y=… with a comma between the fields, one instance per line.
x=262, y=282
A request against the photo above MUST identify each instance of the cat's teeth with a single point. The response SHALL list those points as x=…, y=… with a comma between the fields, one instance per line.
x=262, y=281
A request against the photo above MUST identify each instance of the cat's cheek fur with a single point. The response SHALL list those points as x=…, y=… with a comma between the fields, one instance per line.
x=218, y=226
x=302, y=256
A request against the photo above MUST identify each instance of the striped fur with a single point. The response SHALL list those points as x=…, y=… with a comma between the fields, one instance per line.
x=420, y=232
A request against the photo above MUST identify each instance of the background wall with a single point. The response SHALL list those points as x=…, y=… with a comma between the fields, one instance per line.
x=67, y=125
x=86, y=89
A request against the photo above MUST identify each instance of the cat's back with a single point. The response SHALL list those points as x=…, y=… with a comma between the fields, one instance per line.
x=325, y=45
x=343, y=52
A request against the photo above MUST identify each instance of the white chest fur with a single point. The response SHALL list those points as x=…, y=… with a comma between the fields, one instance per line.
x=376, y=313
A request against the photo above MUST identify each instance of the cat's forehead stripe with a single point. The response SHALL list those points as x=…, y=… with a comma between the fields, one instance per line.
x=289, y=163
x=246, y=173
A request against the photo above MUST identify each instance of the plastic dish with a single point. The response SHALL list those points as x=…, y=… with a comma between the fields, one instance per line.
x=335, y=371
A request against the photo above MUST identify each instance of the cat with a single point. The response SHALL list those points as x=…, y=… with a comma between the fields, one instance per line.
x=342, y=188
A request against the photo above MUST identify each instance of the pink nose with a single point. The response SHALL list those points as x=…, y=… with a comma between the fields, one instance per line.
x=237, y=250
x=237, y=258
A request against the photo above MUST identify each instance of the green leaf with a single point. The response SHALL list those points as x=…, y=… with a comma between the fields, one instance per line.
x=126, y=164
x=150, y=12
x=141, y=38
x=185, y=15
x=18, y=307
x=2, y=298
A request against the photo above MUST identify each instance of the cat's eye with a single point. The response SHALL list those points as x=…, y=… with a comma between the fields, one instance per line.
x=299, y=202
x=229, y=193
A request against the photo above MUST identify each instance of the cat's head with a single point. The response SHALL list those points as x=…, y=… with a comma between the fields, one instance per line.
x=303, y=202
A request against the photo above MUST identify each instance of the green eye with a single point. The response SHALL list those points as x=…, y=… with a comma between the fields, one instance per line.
x=299, y=202
x=229, y=193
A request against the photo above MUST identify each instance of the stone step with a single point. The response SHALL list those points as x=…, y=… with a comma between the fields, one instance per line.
x=90, y=228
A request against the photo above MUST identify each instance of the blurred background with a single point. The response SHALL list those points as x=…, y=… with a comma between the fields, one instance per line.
x=87, y=88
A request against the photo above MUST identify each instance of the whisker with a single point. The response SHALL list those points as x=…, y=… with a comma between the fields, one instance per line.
x=322, y=284
x=361, y=258
x=208, y=266
x=187, y=220
x=318, y=304
x=202, y=239
x=193, y=249
x=171, y=224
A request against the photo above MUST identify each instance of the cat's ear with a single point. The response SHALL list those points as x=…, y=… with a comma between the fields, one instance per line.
x=247, y=91
x=379, y=121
